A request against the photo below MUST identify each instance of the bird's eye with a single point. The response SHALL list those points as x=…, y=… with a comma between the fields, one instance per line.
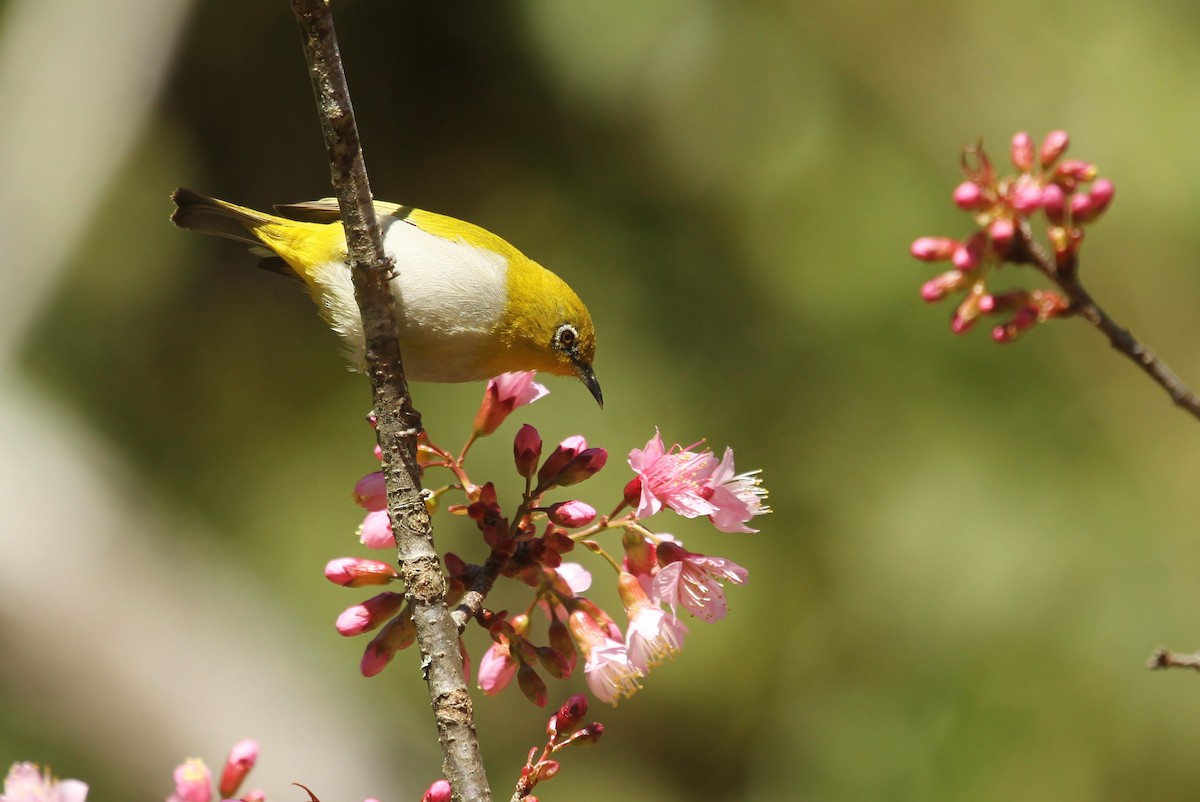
x=566, y=337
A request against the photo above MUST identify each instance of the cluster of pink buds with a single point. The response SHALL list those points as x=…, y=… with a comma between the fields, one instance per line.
x=655, y=576
x=193, y=780
x=565, y=728
x=1062, y=194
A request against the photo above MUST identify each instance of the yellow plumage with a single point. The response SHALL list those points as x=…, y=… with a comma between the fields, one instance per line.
x=468, y=304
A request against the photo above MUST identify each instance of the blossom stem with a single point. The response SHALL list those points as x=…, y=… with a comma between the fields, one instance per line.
x=454, y=465
x=462, y=455
x=1066, y=277
x=596, y=548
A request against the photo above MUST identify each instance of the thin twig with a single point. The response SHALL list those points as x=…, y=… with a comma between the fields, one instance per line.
x=1164, y=658
x=397, y=421
x=1066, y=277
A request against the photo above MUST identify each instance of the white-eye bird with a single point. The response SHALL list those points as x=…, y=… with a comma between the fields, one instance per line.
x=469, y=305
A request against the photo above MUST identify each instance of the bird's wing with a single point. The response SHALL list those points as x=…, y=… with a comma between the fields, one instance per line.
x=325, y=210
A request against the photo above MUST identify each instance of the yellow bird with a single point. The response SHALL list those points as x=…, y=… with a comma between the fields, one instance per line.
x=469, y=305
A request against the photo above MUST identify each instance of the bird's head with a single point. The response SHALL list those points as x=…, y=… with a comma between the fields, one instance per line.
x=548, y=327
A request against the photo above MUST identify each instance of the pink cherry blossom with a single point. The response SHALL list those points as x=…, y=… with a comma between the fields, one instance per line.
x=694, y=483
x=736, y=497
x=193, y=782
x=504, y=394
x=25, y=782
x=673, y=478
x=576, y=576
x=694, y=581
x=607, y=669
x=654, y=635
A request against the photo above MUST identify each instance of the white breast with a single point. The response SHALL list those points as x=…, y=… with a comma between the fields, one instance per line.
x=450, y=297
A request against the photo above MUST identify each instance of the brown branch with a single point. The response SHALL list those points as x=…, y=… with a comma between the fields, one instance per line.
x=1164, y=658
x=1066, y=277
x=398, y=422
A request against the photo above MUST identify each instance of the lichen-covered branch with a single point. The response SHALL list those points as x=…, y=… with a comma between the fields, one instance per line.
x=398, y=423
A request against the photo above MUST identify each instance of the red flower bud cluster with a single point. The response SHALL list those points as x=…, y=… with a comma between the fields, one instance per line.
x=565, y=728
x=1061, y=195
x=528, y=542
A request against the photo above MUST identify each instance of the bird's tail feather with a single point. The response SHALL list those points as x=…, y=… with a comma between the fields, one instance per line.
x=211, y=216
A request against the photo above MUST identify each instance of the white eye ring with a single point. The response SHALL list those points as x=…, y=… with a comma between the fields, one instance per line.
x=566, y=337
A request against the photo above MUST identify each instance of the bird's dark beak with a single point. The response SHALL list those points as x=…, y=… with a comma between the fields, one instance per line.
x=588, y=377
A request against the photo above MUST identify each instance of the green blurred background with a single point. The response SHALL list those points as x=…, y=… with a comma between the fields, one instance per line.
x=974, y=548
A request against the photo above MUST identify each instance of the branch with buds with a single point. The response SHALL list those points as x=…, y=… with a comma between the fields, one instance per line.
x=655, y=575
x=1057, y=198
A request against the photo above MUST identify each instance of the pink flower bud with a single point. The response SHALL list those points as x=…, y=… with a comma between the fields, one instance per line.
x=1025, y=319
x=969, y=196
x=1054, y=202
x=505, y=393
x=1087, y=206
x=589, y=462
x=357, y=572
x=496, y=669
x=566, y=451
x=571, y=463
x=1001, y=232
x=1022, y=152
x=569, y=715
x=1076, y=170
x=966, y=314
x=940, y=286
x=1053, y=146
x=370, y=492
x=376, y=531
x=588, y=735
x=366, y=616
x=438, y=792
x=969, y=255
x=241, y=759
x=571, y=514
x=1026, y=197
x=527, y=450
x=397, y=634
x=933, y=249
x=1001, y=302
x=1102, y=193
